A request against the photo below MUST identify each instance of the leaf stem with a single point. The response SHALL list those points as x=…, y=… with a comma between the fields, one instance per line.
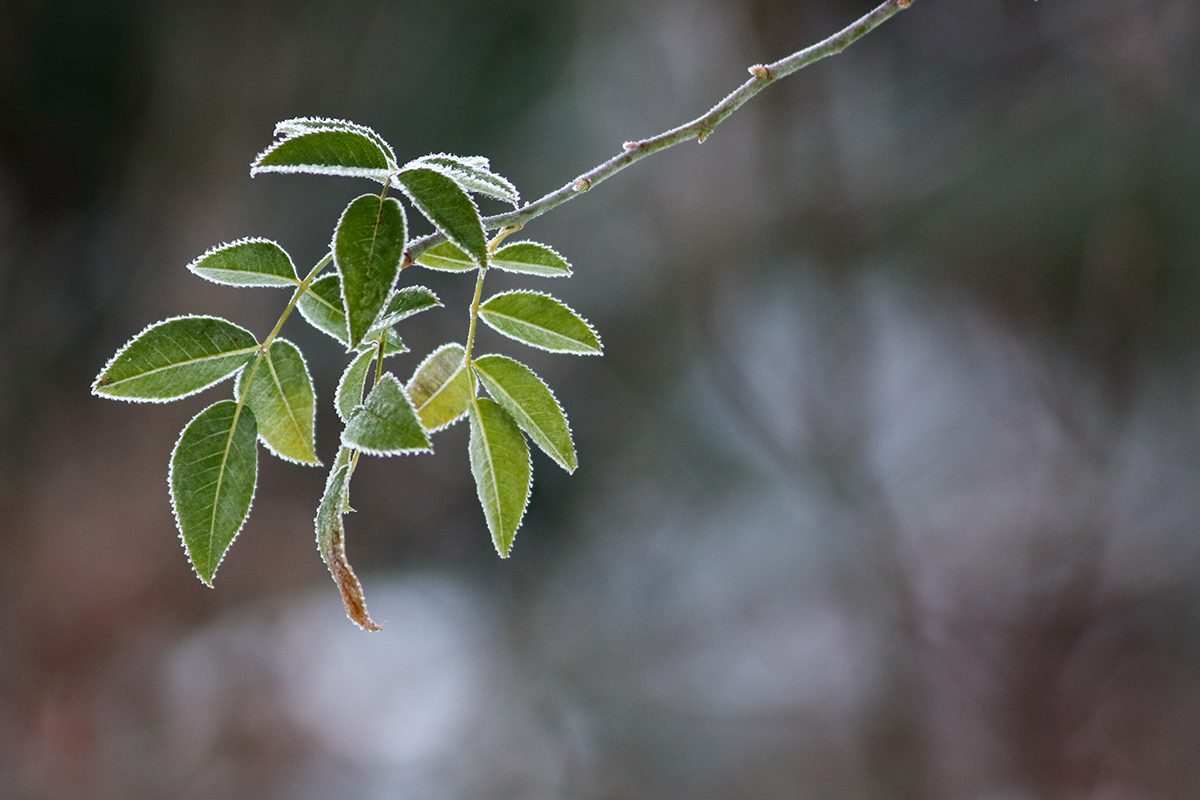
x=699, y=128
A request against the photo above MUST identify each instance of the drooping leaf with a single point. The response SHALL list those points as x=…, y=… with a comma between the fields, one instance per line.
x=350, y=387
x=531, y=258
x=367, y=247
x=446, y=257
x=529, y=401
x=540, y=321
x=247, y=262
x=449, y=208
x=329, y=150
x=404, y=303
x=283, y=401
x=503, y=475
x=214, y=469
x=441, y=387
x=175, y=358
x=331, y=542
x=321, y=307
x=297, y=125
x=385, y=424
x=473, y=175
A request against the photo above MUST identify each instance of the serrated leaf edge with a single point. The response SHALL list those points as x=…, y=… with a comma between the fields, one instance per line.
x=487, y=382
x=236, y=243
x=417, y=371
x=408, y=451
x=337, y=395
x=396, y=182
x=95, y=383
x=309, y=124
x=497, y=259
x=381, y=175
x=171, y=492
x=508, y=192
x=479, y=490
x=237, y=387
x=483, y=312
x=342, y=277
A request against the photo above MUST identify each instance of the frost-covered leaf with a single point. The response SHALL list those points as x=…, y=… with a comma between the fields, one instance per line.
x=385, y=424
x=367, y=247
x=247, y=262
x=175, y=358
x=404, y=303
x=283, y=401
x=503, y=475
x=322, y=307
x=327, y=150
x=541, y=321
x=531, y=258
x=214, y=468
x=350, y=387
x=449, y=208
x=473, y=174
x=446, y=257
x=331, y=542
x=441, y=387
x=297, y=125
x=530, y=402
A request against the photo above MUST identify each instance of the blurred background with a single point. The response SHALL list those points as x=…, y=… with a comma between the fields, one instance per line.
x=890, y=473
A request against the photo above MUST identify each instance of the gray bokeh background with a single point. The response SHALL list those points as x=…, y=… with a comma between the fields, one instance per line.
x=890, y=474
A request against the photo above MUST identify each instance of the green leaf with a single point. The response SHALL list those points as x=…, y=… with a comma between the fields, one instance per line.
x=529, y=401
x=331, y=541
x=298, y=125
x=350, y=387
x=473, y=174
x=531, y=258
x=327, y=150
x=247, y=262
x=385, y=424
x=540, y=321
x=441, y=388
x=367, y=247
x=408, y=301
x=321, y=307
x=175, y=358
x=449, y=208
x=446, y=257
x=283, y=401
x=214, y=468
x=503, y=475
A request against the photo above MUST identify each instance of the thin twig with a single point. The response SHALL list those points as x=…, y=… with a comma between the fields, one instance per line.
x=699, y=128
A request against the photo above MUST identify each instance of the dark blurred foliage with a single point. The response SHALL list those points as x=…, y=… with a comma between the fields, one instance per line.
x=889, y=473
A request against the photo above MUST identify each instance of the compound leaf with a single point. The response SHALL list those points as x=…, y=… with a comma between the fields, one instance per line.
x=446, y=257
x=531, y=258
x=500, y=464
x=283, y=401
x=326, y=150
x=531, y=404
x=321, y=307
x=175, y=358
x=247, y=262
x=214, y=469
x=441, y=387
x=367, y=247
x=350, y=388
x=385, y=424
x=540, y=321
x=331, y=542
x=473, y=175
x=449, y=208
